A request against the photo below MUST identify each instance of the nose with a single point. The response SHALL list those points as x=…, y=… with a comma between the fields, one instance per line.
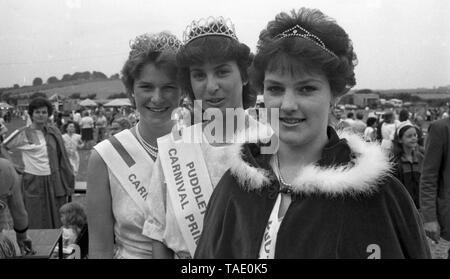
x=288, y=103
x=157, y=98
x=211, y=85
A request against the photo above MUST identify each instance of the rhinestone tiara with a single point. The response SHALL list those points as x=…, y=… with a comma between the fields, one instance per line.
x=210, y=26
x=298, y=31
x=163, y=41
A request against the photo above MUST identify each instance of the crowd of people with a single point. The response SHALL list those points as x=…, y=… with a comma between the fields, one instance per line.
x=166, y=182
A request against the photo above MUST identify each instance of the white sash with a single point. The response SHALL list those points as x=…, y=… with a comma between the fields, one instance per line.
x=267, y=249
x=188, y=182
x=130, y=163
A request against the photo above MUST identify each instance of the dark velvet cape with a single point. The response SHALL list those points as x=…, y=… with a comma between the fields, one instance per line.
x=374, y=224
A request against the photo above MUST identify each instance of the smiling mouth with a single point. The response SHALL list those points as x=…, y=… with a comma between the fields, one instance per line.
x=158, y=109
x=291, y=121
x=215, y=101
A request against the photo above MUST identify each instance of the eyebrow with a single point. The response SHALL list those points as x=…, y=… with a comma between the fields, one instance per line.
x=297, y=83
x=216, y=67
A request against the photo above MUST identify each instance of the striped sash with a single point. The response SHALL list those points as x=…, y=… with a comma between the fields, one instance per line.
x=130, y=163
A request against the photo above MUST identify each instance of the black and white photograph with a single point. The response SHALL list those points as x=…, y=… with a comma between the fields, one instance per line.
x=224, y=130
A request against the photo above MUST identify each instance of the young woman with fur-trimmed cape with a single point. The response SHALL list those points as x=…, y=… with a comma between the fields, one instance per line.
x=321, y=194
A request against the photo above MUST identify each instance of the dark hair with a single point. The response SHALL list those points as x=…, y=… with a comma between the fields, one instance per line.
x=164, y=60
x=403, y=115
x=40, y=102
x=295, y=54
x=216, y=48
x=124, y=122
x=370, y=121
x=74, y=214
x=388, y=117
x=350, y=114
x=359, y=115
x=67, y=125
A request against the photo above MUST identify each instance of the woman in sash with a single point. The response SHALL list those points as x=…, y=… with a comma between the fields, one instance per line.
x=213, y=69
x=120, y=167
x=321, y=194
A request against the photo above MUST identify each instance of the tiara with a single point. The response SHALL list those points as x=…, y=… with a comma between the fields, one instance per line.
x=298, y=31
x=209, y=27
x=154, y=42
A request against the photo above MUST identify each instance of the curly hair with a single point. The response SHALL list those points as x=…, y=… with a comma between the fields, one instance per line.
x=214, y=48
x=299, y=55
x=141, y=54
x=73, y=214
x=40, y=102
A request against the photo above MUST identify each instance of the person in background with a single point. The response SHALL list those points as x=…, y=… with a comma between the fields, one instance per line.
x=11, y=199
x=358, y=125
x=119, y=125
x=48, y=180
x=101, y=123
x=408, y=159
x=388, y=128
x=370, y=133
x=75, y=227
x=435, y=183
x=87, y=128
x=72, y=142
x=321, y=194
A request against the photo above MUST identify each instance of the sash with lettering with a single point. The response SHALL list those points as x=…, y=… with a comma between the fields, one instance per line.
x=130, y=163
x=188, y=182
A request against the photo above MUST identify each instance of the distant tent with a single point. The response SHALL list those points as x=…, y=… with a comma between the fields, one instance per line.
x=55, y=97
x=4, y=105
x=120, y=102
x=88, y=103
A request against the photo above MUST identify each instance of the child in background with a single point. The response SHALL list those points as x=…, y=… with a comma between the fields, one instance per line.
x=408, y=159
x=74, y=220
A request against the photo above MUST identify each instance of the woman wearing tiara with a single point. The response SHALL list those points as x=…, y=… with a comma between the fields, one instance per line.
x=120, y=167
x=213, y=71
x=322, y=194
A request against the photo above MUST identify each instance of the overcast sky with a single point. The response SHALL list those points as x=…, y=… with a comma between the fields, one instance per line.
x=399, y=43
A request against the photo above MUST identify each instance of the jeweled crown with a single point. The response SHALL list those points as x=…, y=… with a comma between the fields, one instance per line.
x=298, y=31
x=154, y=42
x=210, y=26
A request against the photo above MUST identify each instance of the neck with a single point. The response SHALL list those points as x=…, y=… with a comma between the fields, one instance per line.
x=407, y=151
x=37, y=126
x=151, y=132
x=297, y=156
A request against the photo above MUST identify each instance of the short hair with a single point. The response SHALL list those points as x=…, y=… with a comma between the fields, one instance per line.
x=359, y=115
x=370, y=121
x=350, y=114
x=403, y=115
x=74, y=214
x=164, y=60
x=216, y=48
x=388, y=117
x=298, y=55
x=124, y=122
x=40, y=102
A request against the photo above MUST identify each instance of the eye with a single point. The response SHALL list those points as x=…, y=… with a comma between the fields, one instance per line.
x=274, y=89
x=198, y=75
x=169, y=87
x=147, y=87
x=307, y=89
x=223, y=72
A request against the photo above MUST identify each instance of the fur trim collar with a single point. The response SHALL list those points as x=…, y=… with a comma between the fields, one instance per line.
x=368, y=167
